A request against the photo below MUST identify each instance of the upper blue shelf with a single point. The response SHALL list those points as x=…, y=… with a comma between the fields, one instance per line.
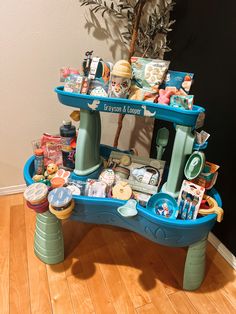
x=133, y=107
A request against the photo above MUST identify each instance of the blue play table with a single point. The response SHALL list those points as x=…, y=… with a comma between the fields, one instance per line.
x=173, y=233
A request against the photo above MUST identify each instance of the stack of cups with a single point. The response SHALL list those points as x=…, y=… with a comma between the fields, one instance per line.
x=36, y=197
x=61, y=203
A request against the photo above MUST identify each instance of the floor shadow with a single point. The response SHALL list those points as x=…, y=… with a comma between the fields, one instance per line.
x=87, y=245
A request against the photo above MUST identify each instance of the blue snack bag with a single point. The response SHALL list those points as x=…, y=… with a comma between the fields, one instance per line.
x=182, y=81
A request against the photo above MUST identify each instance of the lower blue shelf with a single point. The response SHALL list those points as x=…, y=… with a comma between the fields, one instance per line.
x=169, y=232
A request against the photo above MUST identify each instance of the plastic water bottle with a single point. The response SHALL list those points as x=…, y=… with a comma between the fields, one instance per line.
x=68, y=136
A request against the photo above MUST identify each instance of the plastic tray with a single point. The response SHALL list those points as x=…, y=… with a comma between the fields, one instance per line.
x=127, y=106
x=177, y=233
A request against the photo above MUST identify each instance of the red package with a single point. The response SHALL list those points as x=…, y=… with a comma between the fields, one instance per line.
x=51, y=146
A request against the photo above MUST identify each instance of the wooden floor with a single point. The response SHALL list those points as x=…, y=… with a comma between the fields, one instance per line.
x=106, y=270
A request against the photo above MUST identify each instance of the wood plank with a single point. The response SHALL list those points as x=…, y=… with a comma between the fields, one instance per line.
x=174, y=258
x=59, y=290
x=16, y=199
x=38, y=280
x=148, y=280
x=129, y=274
x=181, y=303
x=147, y=309
x=223, y=273
x=220, y=284
x=19, y=293
x=100, y=295
x=113, y=280
x=153, y=259
x=212, y=289
x=74, y=232
x=4, y=254
x=80, y=296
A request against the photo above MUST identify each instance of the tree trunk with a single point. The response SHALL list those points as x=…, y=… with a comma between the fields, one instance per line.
x=137, y=16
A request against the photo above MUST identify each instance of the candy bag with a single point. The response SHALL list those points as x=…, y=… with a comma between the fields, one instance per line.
x=51, y=146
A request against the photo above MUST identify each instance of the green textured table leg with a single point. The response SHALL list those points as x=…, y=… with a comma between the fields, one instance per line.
x=48, y=239
x=87, y=157
x=183, y=146
x=194, y=270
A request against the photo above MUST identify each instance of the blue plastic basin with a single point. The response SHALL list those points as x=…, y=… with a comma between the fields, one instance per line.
x=170, y=232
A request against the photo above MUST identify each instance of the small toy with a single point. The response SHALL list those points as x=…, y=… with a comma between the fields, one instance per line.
x=143, y=171
x=87, y=62
x=65, y=72
x=60, y=198
x=100, y=70
x=146, y=174
x=61, y=173
x=57, y=182
x=184, y=102
x=38, y=178
x=50, y=171
x=164, y=96
x=161, y=141
x=201, y=137
x=207, y=178
x=119, y=85
x=85, y=85
x=212, y=208
x=75, y=115
x=77, y=187
x=194, y=165
x=36, y=197
x=61, y=203
x=107, y=176
x=122, y=191
x=97, y=88
x=125, y=160
x=164, y=205
x=121, y=172
x=95, y=188
x=141, y=198
x=129, y=209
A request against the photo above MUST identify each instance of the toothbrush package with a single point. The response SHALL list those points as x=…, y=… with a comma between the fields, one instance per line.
x=189, y=200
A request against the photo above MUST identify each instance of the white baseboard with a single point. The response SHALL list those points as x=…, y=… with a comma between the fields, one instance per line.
x=12, y=189
x=224, y=252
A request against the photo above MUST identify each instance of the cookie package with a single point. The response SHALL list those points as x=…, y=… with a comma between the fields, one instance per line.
x=148, y=74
